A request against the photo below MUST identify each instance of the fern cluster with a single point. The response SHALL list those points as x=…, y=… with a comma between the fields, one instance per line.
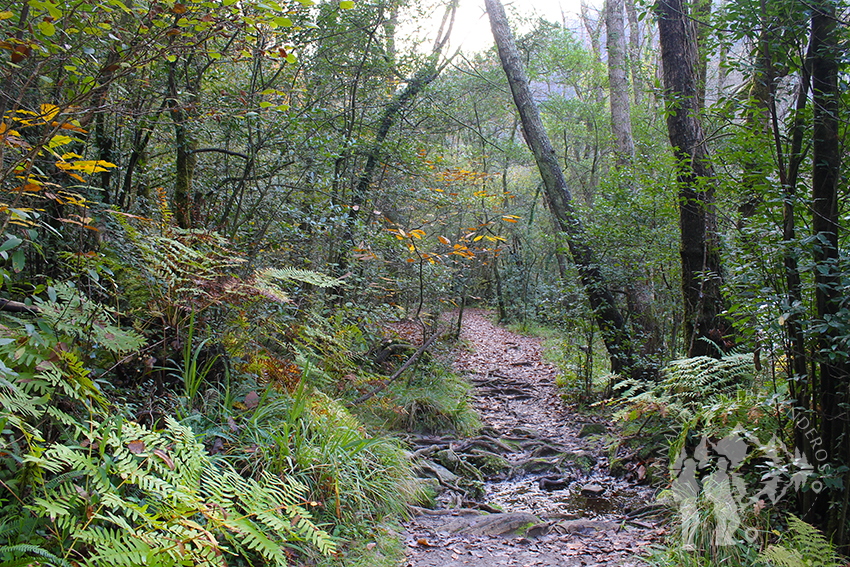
x=81, y=486
x=137, y=494
x=802, y=546
x=186, y=270
x=687, y=389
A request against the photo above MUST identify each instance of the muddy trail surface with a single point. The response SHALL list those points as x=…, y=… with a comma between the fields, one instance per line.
x=532, y=487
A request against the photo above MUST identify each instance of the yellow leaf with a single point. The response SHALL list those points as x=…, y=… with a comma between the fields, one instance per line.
x=49, y=111
x=444, y=240
x=71, y=155
x=509, y=218
x=4, y=15
x=86, y=166
x=417, y=233
x=477, y=238
x=60, y=140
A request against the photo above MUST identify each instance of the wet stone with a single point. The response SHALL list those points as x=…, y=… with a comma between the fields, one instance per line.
x=592, y=490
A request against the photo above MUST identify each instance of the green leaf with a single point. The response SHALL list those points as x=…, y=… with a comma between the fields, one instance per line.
x=283, y=22
x=18, y=260
x=346, y=4
x=47, y=28
x=12, y=242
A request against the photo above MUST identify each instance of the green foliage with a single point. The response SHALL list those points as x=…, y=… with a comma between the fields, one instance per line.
x=351, y=475
x=137, y=494
x=802, y=545
x=70, y=313
x=193, y=373
x=434, y=401
x=298, y=275
x=688, y=389
x=89, y=488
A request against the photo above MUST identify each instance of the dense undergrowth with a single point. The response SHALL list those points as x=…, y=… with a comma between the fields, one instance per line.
x=165, y=404
x=732, y=419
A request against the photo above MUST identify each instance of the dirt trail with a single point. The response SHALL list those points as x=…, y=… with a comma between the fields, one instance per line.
x=555, y=505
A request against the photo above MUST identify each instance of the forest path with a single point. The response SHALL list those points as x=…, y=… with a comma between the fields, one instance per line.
x=559, y=506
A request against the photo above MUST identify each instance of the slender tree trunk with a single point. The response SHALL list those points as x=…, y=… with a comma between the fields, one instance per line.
x=361, y=190
x=185, y=161
x=701, y=277
x=608, y=317
x=723, y=55
x=635, y=55
x=621, y=116
x=421, y=79
x=594, y=30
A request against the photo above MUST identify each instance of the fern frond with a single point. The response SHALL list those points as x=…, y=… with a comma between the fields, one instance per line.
x=695, y=379
x=804, y=546
x=26, y=553
x=295, y=274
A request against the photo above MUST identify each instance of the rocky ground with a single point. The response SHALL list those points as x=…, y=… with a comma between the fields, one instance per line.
x=533, y=486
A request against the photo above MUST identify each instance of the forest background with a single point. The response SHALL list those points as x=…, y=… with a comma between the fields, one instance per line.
x=208, y=207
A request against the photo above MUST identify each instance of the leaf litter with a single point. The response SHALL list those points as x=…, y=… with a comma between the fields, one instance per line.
x=553, y=503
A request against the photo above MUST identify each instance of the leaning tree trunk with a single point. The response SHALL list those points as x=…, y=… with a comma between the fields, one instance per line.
x=392, y=113
x=608, y=317
x=701, y=276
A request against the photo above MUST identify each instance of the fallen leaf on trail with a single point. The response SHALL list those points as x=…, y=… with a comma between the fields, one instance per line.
x=252, y=400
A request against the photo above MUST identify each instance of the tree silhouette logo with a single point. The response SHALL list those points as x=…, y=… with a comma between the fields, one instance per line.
x=714, y=476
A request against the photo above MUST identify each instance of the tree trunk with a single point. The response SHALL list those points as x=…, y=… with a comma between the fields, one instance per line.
x=361, y=190
x=594, y=30
x=621, y=117
x=701, y=277
x=421, y=79
x=635, y=52
x=701, y=15
x=608, y=317
x=185, y=161
x=826, y=158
